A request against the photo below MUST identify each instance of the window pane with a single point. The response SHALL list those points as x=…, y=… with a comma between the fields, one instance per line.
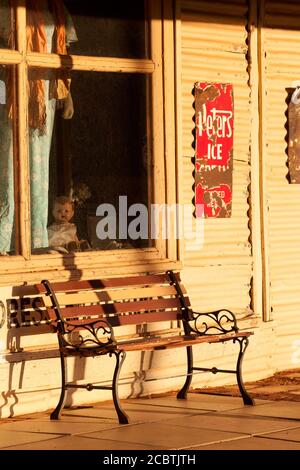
x=90, y=28
x=91, y=157
x=8, y=223
x=6, y=26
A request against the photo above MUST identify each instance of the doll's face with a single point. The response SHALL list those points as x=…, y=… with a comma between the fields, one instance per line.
x=63, y=212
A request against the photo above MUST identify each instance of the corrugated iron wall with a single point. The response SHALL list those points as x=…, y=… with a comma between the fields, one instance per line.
x=281, y=66
x=214, y=48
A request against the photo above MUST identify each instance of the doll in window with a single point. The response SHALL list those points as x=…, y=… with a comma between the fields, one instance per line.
x=62, y=233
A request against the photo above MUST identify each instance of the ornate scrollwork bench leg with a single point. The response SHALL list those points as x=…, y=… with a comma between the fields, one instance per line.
x=57, y=412
x=243, y=343
x=120, y=357
x=220, y=322
x=84, y=338
x=181, y=395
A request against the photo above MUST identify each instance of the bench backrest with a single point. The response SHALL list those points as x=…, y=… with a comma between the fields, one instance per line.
x=133, y=300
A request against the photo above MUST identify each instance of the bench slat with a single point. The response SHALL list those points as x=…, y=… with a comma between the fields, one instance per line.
x=119, y=308
x=113, y=295
x=68, y=286
x=161, y=343
x=177, y=341
x=126, y=319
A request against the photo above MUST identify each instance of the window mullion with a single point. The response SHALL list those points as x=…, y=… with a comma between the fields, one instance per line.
x=23, y=168
x=87, y=63
x=158, y=150
x=9, y=57
x=169, y=123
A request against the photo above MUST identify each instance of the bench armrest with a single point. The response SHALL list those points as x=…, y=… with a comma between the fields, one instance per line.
x=80, y=335
x=211, y=323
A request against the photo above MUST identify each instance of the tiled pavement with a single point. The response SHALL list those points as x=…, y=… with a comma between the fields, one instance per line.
x=203, y=422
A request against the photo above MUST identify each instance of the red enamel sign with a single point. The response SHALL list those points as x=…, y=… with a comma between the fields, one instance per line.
x=294, y=137
x=214, y=149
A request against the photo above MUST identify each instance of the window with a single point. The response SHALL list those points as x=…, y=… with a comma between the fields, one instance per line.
x=85, y=131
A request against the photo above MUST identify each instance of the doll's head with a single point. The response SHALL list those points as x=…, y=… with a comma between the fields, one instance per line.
x=63, y=209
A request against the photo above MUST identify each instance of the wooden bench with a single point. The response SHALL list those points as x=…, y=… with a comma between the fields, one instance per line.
x=85, y=315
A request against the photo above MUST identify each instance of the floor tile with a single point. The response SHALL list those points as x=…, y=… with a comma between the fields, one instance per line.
x=251, y=443
x=196, y=402
x=287, y=434
x=161, y=434
x=80, y=443
x=234, y=423
x=279, y=409
x=136, y=411
x=71, y=426
x=104, y=413
x=10, y=438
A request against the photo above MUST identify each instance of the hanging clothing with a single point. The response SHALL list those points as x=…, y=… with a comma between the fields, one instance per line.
x=46, y=32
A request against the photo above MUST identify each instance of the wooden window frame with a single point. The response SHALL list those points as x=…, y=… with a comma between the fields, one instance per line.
x=161, y=66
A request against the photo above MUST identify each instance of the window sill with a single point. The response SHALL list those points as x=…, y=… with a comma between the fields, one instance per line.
x=15, y=270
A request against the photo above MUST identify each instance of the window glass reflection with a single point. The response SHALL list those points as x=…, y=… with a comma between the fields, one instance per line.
x=50, y=27
x=86, y=149
x=103, y=29
x=6, y=26
x=8, y=225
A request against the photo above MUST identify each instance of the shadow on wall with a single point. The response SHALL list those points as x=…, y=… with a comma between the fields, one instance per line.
x=27, y=325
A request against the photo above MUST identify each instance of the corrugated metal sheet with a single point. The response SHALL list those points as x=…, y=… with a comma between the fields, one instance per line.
x=234, y=247
x=282, y=66
x=216, y=287
x=213, y=48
